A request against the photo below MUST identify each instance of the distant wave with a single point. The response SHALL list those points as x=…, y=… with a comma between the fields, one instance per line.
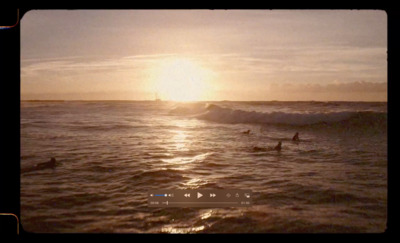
x=189, y=109
x=215, y=113
x=103, y=127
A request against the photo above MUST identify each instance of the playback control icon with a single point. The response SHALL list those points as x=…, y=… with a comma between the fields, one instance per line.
x=200, y=198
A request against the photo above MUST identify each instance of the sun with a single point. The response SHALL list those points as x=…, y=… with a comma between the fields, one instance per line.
x=181, y=79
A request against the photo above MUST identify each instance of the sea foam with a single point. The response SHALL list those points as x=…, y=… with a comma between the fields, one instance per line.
x=215, y=113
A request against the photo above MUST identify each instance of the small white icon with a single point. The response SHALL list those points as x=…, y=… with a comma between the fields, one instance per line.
x=237, y=195
x=151, y=195
x=199, y=195
x=247, y=195
x=213, y=195
x=187, y=195
x=228, y=195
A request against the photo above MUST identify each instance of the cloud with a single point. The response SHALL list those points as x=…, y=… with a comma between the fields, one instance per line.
x=79, y=64
x=82, y=65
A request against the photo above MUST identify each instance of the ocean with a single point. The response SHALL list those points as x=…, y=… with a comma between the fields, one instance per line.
x=111, y=153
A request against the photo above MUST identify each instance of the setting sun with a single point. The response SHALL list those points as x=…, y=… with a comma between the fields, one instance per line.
x=197, y=121
x=181, y=79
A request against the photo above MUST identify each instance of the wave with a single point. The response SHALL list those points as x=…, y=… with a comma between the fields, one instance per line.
x=219, y=114
x=189, y=109
x=102, y=127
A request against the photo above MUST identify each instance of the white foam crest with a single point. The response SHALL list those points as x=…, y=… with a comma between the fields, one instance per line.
x=227, y=115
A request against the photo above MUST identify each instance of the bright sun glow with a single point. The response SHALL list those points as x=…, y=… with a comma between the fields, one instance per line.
x=181, y=79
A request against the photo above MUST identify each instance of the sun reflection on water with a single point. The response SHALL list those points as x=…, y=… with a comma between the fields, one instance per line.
x=206, y=214
x=194, y=183
x=182, y=230
x=179, y=140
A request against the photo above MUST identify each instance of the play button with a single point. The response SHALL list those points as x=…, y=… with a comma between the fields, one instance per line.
x=199, y=195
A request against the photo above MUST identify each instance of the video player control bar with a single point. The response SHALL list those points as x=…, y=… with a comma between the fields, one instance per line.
x=200, y=198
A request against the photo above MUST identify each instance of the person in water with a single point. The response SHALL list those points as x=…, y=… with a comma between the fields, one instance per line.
x=278, y=147
x=246, y=132
x=296, y=137
x=40, y=166
x=257, y=149
x=50, y=164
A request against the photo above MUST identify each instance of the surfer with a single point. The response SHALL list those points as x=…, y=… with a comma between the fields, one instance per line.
x=49, y=164
x=46, y=165
x=296, y=137
x=258, y=149
x=246, y=132
x=278, y=147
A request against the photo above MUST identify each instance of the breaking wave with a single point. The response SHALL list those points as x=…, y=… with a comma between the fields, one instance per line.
x=215, y=113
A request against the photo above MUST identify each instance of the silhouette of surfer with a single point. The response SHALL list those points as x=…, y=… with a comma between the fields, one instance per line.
x=278, y=147
x=50, y=164
x=40, y=166
x=296, y=137
x=246, y=132
x=257, y=149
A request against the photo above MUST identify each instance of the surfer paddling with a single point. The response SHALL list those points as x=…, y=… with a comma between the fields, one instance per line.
x=296, y=137
x=246, y=132
x=45, y=165
x=50, y=164
x=278, y=147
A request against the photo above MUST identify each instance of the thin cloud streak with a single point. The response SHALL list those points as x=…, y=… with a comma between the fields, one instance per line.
x=32, y=67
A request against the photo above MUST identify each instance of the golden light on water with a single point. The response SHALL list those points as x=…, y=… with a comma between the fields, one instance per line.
x=180, y=140
x=181, y=230
x=181, y=79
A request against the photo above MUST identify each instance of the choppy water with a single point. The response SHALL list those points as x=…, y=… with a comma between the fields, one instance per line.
x=112, y=153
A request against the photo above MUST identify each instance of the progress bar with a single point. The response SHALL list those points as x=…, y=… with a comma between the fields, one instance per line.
x=200, y=198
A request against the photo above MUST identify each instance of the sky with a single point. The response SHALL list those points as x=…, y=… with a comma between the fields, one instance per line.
x=190, y=55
